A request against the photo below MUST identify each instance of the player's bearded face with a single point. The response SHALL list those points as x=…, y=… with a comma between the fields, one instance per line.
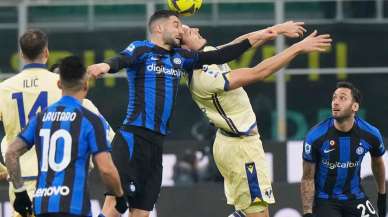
x=342, y=104
x=172, y=34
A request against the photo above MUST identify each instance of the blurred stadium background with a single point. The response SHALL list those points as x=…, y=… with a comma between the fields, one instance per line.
x=287, y=105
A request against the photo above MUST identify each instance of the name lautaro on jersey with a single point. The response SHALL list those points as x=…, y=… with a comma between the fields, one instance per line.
x=59, y=116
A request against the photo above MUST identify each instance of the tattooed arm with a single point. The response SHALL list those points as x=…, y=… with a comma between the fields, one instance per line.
x=15, y=150
x=307, y=187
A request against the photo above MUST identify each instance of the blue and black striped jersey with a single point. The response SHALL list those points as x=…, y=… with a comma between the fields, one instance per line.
x=153, y=78
x=338, y=155
x=65, y=135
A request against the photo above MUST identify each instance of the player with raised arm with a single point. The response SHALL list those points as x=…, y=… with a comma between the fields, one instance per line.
x=154, y=68
x=65, y=134
x=218, y=92
x=332, y=155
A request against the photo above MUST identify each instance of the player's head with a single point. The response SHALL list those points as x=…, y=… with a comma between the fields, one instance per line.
x=346, y=101
x=167, y=26
x=192, y=39
x=73, y=77
x=34, y=46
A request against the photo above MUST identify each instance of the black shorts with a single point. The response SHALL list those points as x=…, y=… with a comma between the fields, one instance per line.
x=351, y=208
x=137, y=154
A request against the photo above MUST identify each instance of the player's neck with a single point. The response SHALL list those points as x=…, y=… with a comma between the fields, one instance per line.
x=157, y=41
x=40, y=61
x=344, y=125
x=78, y=95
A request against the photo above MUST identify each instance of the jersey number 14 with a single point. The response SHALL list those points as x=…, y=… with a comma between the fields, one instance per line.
x=40, y=102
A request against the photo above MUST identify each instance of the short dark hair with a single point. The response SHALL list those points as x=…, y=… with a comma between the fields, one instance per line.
x=160, y=14
x=356, y=94
x=72, y=72
x=32, y=43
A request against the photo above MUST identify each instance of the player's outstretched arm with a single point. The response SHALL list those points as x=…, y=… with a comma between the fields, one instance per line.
x=307, y=188
x=378, y=168
x=289, y=29
x=244, y=76
x=22, y=203
x=111, y=179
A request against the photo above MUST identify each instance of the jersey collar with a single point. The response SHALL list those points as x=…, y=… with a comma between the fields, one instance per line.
x=35, y=65
x=70, y=100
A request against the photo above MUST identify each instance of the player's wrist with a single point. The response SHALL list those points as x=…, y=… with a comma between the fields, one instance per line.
x=381, y=196
x=20, y=189
x=121, y=204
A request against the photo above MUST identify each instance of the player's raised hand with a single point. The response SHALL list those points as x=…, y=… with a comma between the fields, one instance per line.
x=98, y=70
x=290, y=29
x=315, y=42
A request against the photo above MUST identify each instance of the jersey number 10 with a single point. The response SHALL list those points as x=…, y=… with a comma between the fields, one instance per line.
x=49, y=149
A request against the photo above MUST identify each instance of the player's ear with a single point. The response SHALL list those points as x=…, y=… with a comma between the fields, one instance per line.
x=59, y=84
x=355, y=106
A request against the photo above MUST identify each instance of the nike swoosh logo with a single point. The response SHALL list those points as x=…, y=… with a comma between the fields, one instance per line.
x=328, y=150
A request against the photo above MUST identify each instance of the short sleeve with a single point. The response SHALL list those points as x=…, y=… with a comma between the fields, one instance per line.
x=378, y=147
x=134, y=52
x=29, y=132
x=309, y=150
x=211, y=79
x=98, y=135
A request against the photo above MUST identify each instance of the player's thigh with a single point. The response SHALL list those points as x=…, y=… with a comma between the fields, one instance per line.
x=242, y=163
x=325, y=208
x=360, y=208
x=149, y=174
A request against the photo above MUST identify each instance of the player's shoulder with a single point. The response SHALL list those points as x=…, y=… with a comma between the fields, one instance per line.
x=367, y=127
x=89, y=105
x=319, y=130
x=95, y=119
x=139, y=46
x=10, y=81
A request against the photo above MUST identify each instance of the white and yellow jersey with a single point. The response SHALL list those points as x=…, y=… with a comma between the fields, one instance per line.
x=21, y=97
x=229, y=110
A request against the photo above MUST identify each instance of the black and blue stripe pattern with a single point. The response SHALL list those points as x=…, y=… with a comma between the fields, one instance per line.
x=65, y=190
x=153, y=78
x=338, y=156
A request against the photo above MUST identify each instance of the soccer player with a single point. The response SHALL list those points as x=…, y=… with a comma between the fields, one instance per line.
x=65, y=134
x=154, y=68
x=25, y=94
x=238, y=152
x=333, y=152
